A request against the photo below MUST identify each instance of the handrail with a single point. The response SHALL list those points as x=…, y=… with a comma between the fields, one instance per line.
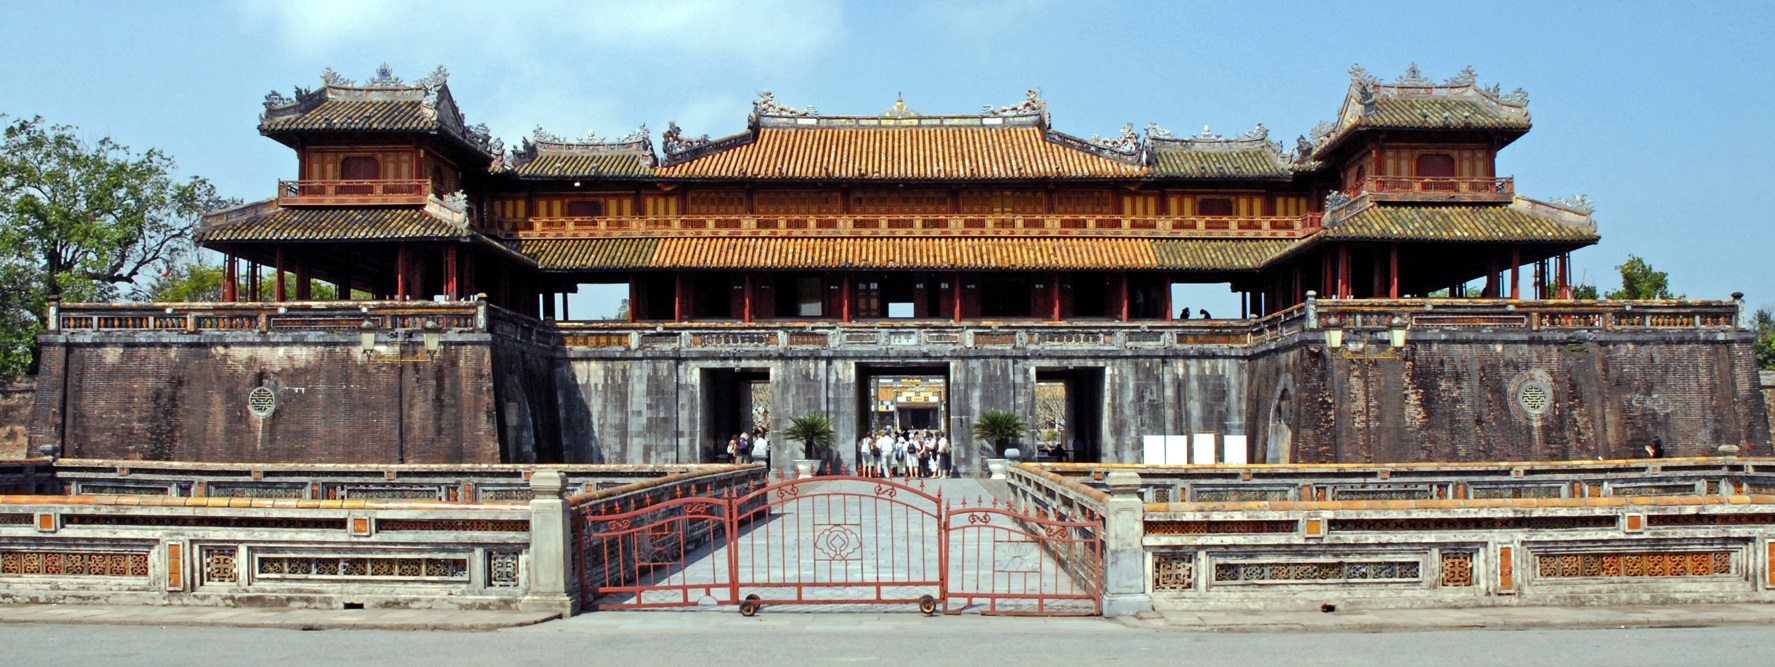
x=943, y=224
x=1486, y=185
x=354, y=191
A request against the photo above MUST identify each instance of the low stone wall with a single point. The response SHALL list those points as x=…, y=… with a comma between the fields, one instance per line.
x=1693, y=531
x=342, y=481
x=1707, y=476
x=172, y=549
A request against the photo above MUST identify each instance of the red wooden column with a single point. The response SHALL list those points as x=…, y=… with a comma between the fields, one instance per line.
x=278, y=281
x=746, y=311
x=955, y=284
x=634, y=298
x=1492, y=290
x=401, y=269
x=1122, y=284
x=1057, y=293
x=304, y=283
x=231, y=279
x=1565, y=276
x=451, y=275
x=1343, y=272
x=252, y=281
x=678, y=296
x=1170, y=312
x=1244, y=304
x=844, y=297
x=1392, y=270
x=1515, y=273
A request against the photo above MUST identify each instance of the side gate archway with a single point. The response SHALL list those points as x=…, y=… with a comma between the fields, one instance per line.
x=838, y=540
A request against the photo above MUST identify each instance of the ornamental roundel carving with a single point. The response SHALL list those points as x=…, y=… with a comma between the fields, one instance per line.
x=1531, y=395
x=261, y=402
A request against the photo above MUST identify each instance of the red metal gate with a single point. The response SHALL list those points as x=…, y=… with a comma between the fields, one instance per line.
x=838, y=540
x=1006, y=563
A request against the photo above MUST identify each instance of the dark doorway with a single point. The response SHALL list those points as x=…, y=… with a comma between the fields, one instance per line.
x=734, y=401
x=902, y=398
x=1069, y=414
x=1005, y=295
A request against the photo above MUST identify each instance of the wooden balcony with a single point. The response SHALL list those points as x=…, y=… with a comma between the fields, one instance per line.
x=912, y=225
x=352, y=193
x=1430, y=189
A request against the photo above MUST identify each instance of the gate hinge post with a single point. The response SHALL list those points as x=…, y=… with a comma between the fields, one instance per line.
x=550, y=538
x=1124, y=555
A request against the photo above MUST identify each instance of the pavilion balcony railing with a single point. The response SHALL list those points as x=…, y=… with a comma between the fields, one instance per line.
x=913, y=225
x=1420, y=188
x=1356, y=317
x=322, y=193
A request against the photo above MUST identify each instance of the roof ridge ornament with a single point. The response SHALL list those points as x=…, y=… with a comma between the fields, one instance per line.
x=332, y=78
x=1153, y=131
x=1128, y=143
x=1206, y=135
x=767, y=105
x=899, y=109
x=436, y=79
x=385, y=78
x=1578, y=203
x=674, y=143
x=1466, y=77
x=1413, y=77
x=1032, y=104
x=1360, y=75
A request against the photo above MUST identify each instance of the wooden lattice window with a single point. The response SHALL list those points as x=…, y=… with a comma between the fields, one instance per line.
x=360, y=168
x=1214, y=206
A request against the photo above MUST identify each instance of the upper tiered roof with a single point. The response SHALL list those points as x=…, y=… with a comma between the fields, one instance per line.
x=1414, y=102
x=381, y=104
x=1005, y=143
x=1208, y=156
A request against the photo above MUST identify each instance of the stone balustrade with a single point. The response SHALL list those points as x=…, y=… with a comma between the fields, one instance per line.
x=1451, y=535
x=382, y=542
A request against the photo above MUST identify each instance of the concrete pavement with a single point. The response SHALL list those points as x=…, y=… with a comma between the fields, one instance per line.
x=813, y=618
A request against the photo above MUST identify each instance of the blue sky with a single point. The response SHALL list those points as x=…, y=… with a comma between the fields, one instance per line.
x=1659, y=112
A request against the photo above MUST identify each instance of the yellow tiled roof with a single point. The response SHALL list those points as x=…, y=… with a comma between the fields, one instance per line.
x=359, y=115
x=1438, y=113
x=1219, y=254
x=1219, y=165
x=1453, y=223
x=335, y=224
x=904, y=253
x=901, y=153
x=590, y=253
x=570, y=164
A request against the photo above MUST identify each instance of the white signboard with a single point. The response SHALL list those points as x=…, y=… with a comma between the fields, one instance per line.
x=1202, y=449
x=1177, y=449
x=1235, y=449
x=1153, y=449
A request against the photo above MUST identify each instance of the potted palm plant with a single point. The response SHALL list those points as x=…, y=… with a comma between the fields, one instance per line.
x=1000, y=428
x=814, y=431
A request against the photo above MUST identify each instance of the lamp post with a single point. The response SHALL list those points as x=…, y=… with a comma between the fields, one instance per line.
x=1334, y=333
x=1396, y=330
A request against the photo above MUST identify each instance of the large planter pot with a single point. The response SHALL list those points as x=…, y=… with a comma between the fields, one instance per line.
x=996, y=468
x=804, y=468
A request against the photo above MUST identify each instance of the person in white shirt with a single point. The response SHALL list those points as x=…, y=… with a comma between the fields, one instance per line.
x=884, y=454
x=942, y=455
x=761, y=449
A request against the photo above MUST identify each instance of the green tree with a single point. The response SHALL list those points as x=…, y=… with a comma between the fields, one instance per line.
x=999, y=427
x=200, y=283
x=1763, y=322
x=813, y=430
x=1640, y=281
x=83, y=221
x=1584, y=292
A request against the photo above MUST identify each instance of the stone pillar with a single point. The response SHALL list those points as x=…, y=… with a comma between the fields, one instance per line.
x=1124, y=557
x=550, y=538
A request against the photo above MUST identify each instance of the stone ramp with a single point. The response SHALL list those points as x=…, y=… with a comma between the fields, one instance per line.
x=858, y=540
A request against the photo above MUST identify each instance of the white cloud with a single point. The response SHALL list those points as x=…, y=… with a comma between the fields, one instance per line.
x=567, y=65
